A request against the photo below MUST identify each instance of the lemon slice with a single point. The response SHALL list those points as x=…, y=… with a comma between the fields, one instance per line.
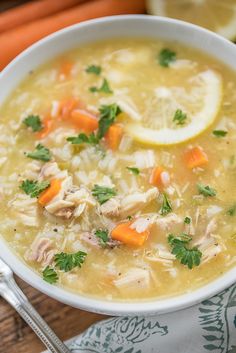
x=201, y=103
x=217, y=15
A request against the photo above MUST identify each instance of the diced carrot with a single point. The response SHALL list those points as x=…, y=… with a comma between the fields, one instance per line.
x=122, y=232
x=50, y=192
x=67, y=106
x=65, y=70
x=113, y=136
x=195, y=157
x=84, y=120
x=155, y=177
x=47, y=127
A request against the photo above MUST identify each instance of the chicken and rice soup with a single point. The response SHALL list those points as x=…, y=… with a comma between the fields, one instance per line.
x=118, y=169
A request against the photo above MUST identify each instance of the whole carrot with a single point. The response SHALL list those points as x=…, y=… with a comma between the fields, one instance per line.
x=33, y=11
x=14, y=41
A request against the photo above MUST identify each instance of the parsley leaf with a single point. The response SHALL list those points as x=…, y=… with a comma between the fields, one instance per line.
x=103, y=193
x=133, y=170
x=219, y=133
x=166, y=56
x=108, y=113
x=206, y=190
x=50, y=275
x=66, y=262
x=179, y=117
x=232, y=210
x=34, y=122
x=83, y=138
x=102, y=235
x=33, y=187
x=94, y=69
x=187, y=256
x=187, y=220
x=105, y=88
x=166, y=206
x=41, y=153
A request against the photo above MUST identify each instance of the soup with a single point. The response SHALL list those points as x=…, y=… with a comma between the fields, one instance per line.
x=118, y=169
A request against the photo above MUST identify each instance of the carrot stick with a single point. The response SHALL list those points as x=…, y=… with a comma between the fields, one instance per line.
x=113, y=136
x=33, y=11
x=47, y=127
x=83, y=120
x=122, y=232
x=156, y=176
x=14, y=41
x=50, y=192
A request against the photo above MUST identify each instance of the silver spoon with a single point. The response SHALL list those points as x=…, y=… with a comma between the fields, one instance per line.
x=16, y=298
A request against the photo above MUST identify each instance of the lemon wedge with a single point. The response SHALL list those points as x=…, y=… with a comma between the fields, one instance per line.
x=201, y=105
x=217, y=15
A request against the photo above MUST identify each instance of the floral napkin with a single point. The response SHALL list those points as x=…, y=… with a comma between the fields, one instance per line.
x=207, y=327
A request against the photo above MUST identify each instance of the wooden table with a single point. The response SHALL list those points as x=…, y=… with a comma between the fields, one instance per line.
x=17, y=337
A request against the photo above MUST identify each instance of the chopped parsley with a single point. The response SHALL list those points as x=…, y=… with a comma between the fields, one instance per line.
x=187, y=256
x=41, y=153
x=94, y=69
x=166, y=206
x=187, y=220
x=108, y=113
x=50, y=275
x=102, y=235
x=166, y=56
x=179, y=117
x=103, y=193
x=133, y=170
x=206, y=190
x=232, y=210
x=66, y=262
x=34, y=187
x=34, y=122
x=105, y=88
x=220, y=133
x=83, y=138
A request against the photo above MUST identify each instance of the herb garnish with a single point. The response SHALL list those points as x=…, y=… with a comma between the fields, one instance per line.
x=105, y=88
x=66, y=262
x=103, y=193
x=187, y=256
x=179, y=117
x=94, y=69
x=102, y=235
x=108, y=113
x=232, y=210
x=206, y=190
x=187, y=220
x=34, y=187
x=50, y=275
x=220, y=133
x=166, y=206
x=41, y=153
x=34, y=122
x=166, y=56
x=133, y=170
x=83, y=138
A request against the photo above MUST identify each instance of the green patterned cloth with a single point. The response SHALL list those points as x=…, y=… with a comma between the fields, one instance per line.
x=207, y=327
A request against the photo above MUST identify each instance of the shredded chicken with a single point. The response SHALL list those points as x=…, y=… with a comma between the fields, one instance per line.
x=136, y=201
x=25, y=210
x=111, y=207
x=134, y=278
x=40, y=251
x=167, y=222
x=141, y=224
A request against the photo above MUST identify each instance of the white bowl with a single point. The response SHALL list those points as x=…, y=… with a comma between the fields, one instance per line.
x=90, y=31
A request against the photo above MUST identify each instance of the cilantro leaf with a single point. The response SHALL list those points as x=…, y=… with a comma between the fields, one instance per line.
x=220, y=133
x=103, y=193
x=166, y=56
x=66, y=262
x=232, y=210
x=83, y=138
x=33, y=187
x=206, y=190
x=179, y=117
x=187, y=256
x=133, y=170
x=166, y=206
x=34, y=122
x=94, y=69
x=105, y=88
x=50, y=275
x=187, y=220
x=108, y=113
x=102, y=235
x=41, y=153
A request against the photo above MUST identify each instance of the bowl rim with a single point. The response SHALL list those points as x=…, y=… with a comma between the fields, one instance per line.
x=94, y=304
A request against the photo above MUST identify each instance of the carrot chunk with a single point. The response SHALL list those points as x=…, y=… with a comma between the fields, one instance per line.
x=50, y=192
x=113, y=136
x=122, y=232
x=67, y=106
x=84, y=120
x=47, y=127
x=195, y=157
x=156, y=177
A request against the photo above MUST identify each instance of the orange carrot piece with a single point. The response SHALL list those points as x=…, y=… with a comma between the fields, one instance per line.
x=195, y=157
x=155, y=177
x=84, y=120
x=122, y=232
x=113, y=136
x=47, y=127
x=65, y=69
x=50, y=192
x=67, y=106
